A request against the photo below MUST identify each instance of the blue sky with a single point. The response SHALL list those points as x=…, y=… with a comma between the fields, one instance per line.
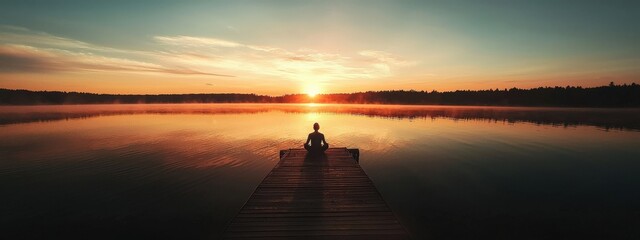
x=276, y=47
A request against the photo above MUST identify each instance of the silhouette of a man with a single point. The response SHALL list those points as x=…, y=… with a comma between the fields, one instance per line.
x=316, y=138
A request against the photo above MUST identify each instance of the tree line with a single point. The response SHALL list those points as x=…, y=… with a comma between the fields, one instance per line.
x=625, y=95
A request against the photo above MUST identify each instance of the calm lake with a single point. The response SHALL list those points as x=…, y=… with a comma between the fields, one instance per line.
x=183, y=171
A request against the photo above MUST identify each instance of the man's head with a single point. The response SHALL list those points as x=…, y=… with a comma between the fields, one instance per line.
x=316, y=126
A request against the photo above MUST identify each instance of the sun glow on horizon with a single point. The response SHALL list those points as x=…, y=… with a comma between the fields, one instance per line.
x=312, y=90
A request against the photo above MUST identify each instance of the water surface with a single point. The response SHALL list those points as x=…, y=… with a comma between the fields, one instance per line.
x=183, y=171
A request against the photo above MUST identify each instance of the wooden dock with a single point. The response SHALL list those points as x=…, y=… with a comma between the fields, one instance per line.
x=327, y=197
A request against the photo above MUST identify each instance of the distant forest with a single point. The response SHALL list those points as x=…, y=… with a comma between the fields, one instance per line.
x=604, y=96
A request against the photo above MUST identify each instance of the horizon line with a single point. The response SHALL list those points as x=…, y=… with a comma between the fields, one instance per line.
x=320, y=94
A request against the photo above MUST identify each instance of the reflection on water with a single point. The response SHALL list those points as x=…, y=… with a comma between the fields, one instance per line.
x=182, y=171
x=604, y=118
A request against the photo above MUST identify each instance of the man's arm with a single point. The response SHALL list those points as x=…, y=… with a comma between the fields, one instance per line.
x=324, y=141
x=308, y=138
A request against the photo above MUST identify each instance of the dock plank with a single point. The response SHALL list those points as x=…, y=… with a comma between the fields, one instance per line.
x=328, y=197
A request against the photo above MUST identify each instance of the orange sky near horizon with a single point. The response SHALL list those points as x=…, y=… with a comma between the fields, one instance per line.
x=155, y=84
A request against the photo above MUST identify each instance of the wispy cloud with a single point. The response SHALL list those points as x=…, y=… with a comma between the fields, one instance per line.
x=25, y=50
x=24, y=36
x=384, y=57
x=195, y=41
x=301, y=64
x=21, y=58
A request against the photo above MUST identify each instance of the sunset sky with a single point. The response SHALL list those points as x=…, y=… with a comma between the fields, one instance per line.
x=278, y=47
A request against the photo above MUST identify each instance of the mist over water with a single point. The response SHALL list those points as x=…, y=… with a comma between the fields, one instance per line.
x=183, y=171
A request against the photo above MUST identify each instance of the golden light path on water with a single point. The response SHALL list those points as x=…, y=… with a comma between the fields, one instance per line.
x=264, y=133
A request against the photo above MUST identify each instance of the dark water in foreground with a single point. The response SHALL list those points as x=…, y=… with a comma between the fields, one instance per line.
x=183, y=171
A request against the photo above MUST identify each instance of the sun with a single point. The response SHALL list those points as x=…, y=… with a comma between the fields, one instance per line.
x=312, y=91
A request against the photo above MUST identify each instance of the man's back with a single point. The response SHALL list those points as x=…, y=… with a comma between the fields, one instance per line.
x=316, y=139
